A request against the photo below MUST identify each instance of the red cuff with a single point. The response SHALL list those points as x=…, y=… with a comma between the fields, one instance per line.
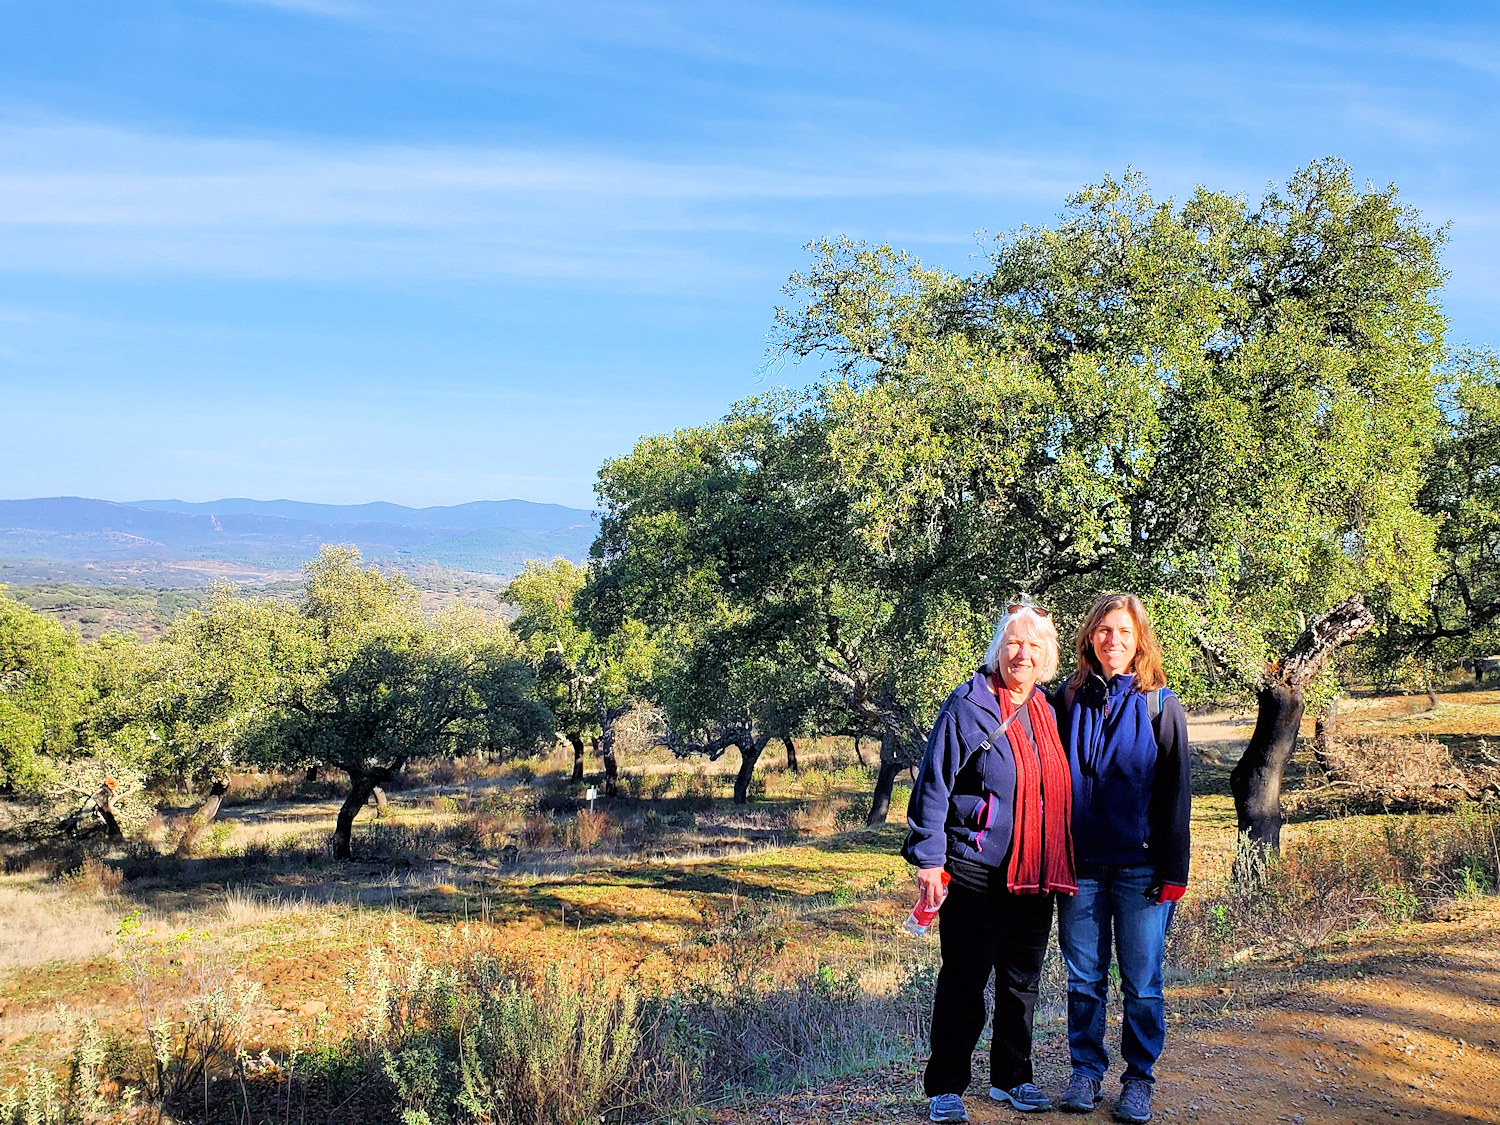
x=1171, y=892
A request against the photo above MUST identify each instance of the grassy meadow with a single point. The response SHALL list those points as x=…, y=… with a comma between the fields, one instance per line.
x=498, y=950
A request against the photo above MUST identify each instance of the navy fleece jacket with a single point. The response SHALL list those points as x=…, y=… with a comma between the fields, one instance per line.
x=962, y=802
x=1132, y=799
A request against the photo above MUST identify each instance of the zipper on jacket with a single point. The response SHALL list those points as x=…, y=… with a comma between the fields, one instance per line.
x=989, y=819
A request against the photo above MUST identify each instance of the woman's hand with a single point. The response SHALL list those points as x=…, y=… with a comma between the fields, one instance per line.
x=933, y=887
x=1160, y=893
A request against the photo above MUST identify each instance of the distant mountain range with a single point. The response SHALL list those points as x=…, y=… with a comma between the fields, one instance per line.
x=55, y=537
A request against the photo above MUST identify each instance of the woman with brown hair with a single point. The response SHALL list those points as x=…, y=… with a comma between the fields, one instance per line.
x=1126, y=737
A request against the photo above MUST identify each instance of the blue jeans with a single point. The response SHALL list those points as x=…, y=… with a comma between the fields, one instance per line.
x=1111, y=908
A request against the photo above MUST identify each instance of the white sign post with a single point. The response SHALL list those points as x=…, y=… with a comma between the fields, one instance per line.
x=591, y=795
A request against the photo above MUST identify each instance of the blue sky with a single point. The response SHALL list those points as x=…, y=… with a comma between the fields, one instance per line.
x=347, y=250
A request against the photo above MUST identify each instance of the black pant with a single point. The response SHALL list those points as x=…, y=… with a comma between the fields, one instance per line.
x=984, y=931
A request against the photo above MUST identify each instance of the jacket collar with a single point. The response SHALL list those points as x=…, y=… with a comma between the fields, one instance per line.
x=981, y=694
x=1113, y=688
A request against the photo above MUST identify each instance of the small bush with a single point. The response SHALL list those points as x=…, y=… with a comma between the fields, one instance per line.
x=852, y=813
x=816, y=819
x=399, y=843
x=94, y=877
x=590, y=828
x=698, y=788
x=41, y=1099
x=660, y=786
x=817, y=782
x=488, y=1040
x=538, y=831
x=479, y=830
x=1386, y=774
x=900, y=798
x=1338, y=877
x=737, y=1025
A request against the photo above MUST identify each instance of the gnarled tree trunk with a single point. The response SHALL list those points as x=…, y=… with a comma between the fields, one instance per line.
x=1281, y=701
x=201, y=819
x=575, y=740
x=750, y=751
x=362, y=786
x=875, y=706
x=604, y=745
x=892, y=761
x=1323, y=735
x=104, y=805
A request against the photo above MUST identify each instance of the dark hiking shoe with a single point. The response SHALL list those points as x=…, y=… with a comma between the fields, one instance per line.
x=1025, y=1097
x=1082, y=1095
x=1134, y=1105
x=946, y=1107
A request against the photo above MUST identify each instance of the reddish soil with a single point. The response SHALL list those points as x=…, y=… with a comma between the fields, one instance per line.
x=1392, y=1027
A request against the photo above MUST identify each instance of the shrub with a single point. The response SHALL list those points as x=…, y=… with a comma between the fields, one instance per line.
x=1339, y=876
x=698, y=787
x=661, y=785
x=489, y=1040
x=41, y=1099
x=94, y=877
x=538, y=831
x=1386, y=774
x=815, y=819
x=589, y=828
x=900, y=798
x=478, y=830
x=546, y=1052
x=739, y=1029
x=632, y=785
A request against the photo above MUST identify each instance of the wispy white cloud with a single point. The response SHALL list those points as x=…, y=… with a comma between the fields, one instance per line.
x=78, y=197
x=337, y=9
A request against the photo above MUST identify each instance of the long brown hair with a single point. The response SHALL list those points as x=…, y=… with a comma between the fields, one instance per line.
x=1147, y=662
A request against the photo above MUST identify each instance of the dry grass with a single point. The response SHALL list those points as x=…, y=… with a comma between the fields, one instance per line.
x=1384, y=773
x=43, y=920
x=590, y=828
x=818, y=818
x=1337, y=877
x=769, y=930
x=1459, y=712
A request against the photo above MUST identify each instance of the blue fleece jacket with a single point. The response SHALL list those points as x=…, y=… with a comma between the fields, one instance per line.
x=962, y=804
x=1132, y=799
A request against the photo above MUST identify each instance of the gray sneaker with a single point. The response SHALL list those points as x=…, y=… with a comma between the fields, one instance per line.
x=1134, y=1105
x=946, y=1107
x=1082, y=1095
x=1025, y=1097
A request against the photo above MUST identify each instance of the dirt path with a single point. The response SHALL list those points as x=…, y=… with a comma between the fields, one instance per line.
x=1394, y=1027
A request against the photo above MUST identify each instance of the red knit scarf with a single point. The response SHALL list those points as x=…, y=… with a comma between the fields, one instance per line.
x=1041, y=850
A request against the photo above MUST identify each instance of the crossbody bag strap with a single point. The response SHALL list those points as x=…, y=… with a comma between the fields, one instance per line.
x=991, y=738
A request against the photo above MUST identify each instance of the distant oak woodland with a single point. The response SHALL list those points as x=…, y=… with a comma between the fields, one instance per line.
x=1247, y=413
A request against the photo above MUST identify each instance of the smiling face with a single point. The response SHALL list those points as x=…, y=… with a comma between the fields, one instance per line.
x=1021, y=658
x=1114, y=641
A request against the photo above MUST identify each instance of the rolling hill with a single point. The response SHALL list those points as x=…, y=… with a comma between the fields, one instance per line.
x=54, y=538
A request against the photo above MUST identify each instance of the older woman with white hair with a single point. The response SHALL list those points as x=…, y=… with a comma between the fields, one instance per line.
x=990, y=819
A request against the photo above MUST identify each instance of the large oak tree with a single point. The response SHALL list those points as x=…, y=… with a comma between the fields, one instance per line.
x=1226, y=407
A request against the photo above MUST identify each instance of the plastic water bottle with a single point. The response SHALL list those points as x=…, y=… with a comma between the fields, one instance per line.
x=920, y=919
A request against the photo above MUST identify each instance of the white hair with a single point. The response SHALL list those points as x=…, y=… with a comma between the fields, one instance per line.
x=1027, y=622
